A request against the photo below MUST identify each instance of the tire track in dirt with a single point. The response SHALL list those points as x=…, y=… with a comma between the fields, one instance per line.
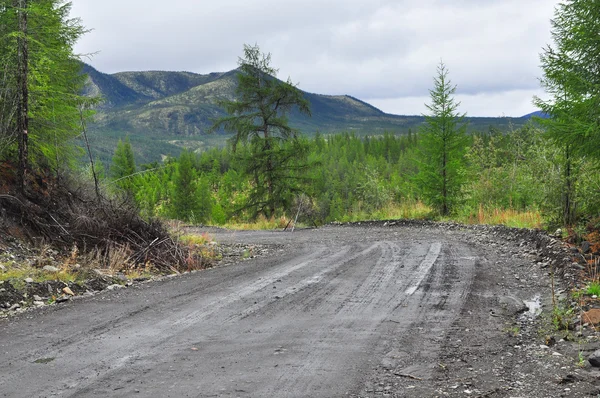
x=422, y=322
x=314, y=324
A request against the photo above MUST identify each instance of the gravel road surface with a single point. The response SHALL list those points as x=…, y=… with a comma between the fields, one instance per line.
x=340, y=311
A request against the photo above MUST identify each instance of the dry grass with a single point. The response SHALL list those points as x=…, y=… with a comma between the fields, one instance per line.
x=509, y=217
x=261, y=223
x=191, y=239
x=412, y=210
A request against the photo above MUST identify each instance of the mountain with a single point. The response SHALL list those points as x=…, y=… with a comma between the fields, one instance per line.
x=539, y=114
x=163, y=112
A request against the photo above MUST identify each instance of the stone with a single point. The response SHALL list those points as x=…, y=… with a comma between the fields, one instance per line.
x=511, y=305
x=38, y=303
x=67, y=290
x=2, y=268
x=37, y=298
x=50, y=268
x=14, y=307
x=585, y=247
x=594, y=359
x=63, y=298
x=120, y=277
x=28, y=280
x=592, y=316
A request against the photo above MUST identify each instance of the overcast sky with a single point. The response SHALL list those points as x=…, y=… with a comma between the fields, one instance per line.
x=384, y=52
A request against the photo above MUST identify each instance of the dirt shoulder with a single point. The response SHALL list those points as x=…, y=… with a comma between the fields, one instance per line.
x=504, y=343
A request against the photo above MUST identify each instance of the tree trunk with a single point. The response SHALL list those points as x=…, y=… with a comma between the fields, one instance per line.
x=23, y=102
x=269, y=173
x=569, y=194
x=89, y=151
x=444, y=186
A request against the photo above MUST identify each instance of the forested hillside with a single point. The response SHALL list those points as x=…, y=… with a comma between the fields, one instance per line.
x=165, y=112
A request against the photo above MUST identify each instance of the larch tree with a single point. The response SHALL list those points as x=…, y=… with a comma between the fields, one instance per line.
x=123, y=165
x=571, y=77
x=184, y=200
x=258, y=119
x=41, y=83
x=442, y=146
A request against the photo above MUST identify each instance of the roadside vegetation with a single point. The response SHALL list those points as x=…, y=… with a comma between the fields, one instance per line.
x=73, y=219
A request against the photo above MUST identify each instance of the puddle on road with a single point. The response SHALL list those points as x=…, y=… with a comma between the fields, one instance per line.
x=534, y=306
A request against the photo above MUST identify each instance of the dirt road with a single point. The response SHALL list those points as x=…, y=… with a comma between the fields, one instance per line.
x=403, y=311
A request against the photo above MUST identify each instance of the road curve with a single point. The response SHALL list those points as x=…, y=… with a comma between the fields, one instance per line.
x=312, y=320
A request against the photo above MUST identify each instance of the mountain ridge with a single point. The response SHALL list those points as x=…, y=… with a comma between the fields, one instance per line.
x=163, y=112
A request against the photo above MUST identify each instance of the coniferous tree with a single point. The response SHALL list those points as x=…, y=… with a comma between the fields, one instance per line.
x=258, y=118
x=185, y=200
x=41, y=82
x=123, y=165
x=442, y=145
x=572, y=77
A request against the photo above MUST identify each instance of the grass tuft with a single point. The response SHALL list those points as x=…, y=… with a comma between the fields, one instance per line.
x=593, y=289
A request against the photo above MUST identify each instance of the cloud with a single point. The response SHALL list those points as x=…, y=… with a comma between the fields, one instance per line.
x=512, y=103
x=382, y=49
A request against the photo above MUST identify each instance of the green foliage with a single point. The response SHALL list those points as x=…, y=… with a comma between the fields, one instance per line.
x=514, y=177
x=562, y=316
x=123, y=165
x=54, y=81
x=593, y=289
x=572, y=78
x=259, y=119
x=185, y=202
x=443, y=142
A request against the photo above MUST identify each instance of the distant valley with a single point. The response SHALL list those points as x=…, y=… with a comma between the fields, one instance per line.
x=163, y=112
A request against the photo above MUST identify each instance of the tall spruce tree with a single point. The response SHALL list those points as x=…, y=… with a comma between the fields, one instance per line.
x=258, y=118
x=442, y=145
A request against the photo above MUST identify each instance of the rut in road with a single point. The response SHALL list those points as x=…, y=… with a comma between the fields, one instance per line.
x=313, y=323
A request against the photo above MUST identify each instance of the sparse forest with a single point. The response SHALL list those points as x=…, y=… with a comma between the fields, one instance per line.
x=524, y=177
